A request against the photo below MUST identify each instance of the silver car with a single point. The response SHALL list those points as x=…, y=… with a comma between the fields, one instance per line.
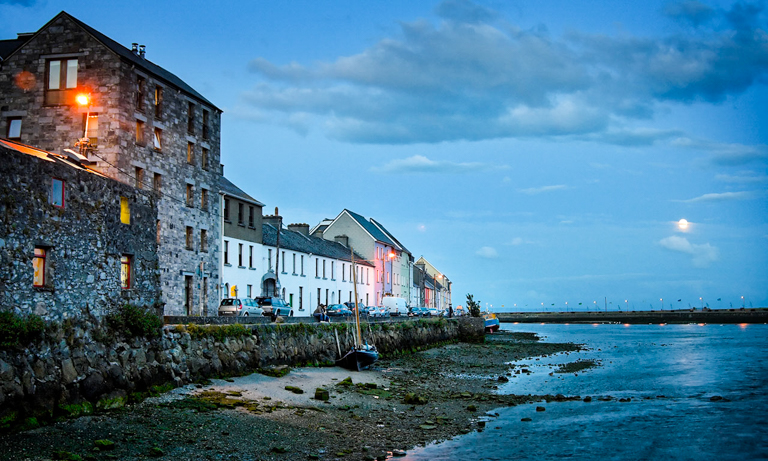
x=239, y=307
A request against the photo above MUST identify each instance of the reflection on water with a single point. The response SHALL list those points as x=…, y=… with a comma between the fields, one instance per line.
x=674, y=376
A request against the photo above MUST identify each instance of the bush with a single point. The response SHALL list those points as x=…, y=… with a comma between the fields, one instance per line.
x=17, y=331
x=134, y=321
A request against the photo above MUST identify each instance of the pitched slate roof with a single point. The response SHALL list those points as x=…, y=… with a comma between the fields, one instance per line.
x=47, y=156
x=371, y=228
x=296, y=241
x=389, y=234
x=226, y=187
x=9, y=46
x=134, y=59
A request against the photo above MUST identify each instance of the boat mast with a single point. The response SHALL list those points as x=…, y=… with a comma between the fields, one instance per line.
x=354, y=283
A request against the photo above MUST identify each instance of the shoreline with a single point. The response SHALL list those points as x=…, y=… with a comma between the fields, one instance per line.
x=405, y=401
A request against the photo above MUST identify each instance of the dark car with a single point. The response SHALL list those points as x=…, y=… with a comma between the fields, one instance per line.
x=338, y=310
x=419, y=312
x=351, y=306
x=273, y=306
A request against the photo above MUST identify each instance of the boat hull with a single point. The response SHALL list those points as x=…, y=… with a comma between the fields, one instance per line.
x=358, y=359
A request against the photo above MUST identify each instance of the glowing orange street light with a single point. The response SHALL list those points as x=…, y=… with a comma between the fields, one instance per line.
x=83, y=99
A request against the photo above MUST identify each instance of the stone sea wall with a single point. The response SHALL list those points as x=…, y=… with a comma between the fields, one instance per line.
x=70, y=371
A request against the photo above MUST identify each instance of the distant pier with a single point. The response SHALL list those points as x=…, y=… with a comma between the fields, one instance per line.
x=752, y=315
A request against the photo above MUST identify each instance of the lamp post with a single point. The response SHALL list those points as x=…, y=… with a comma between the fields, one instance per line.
x=626, y=301
x=662, y=303
x=742, y=302
x=702, y=302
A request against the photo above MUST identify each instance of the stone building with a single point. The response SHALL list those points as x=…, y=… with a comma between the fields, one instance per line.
x=72, y=241
x=137, y=123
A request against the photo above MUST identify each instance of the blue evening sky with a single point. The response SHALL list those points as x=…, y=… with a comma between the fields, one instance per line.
x=535, y=152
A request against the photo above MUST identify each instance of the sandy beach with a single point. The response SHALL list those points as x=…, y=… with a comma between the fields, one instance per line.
x=405, y=401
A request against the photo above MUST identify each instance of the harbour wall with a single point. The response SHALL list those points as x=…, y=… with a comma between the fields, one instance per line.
x=74, y=370
x=752, y=315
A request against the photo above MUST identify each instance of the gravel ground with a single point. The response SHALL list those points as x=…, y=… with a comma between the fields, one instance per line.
x=450, y=390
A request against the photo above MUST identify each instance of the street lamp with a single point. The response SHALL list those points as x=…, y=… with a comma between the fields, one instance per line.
x=662, y=303
x=627, y=303
x=702, y=302
x=84, y=143
x=742, y=302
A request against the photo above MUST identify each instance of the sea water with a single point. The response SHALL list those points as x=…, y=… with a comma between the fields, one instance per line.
x=673, y=376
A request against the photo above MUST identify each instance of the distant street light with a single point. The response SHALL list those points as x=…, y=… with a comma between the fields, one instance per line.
x=662, y=303
x=742, y=302
x=702, y=302
x=627, y=302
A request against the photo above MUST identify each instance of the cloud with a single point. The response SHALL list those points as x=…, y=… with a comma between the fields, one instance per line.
x=726, y=154
x=746, y=177
x=721, y=197
x=421, y=164
x=539, y=190
x=703, y=255
x=472, y=75
x=487, y=253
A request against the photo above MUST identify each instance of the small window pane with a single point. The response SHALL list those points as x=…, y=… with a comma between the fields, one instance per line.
x=72, y=73
x=57, y=192
x=54, y=75
x=125, y=271
x=38, y=264
x=125, y=211
x=158, y=134
x=14, y=128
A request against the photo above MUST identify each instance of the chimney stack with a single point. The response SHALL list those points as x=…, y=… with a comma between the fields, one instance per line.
x=142, y=50
x=301, y=228
x=274, y=220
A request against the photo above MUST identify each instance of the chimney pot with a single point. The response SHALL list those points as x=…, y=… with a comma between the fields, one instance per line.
x=135, y=48
x=142, y=50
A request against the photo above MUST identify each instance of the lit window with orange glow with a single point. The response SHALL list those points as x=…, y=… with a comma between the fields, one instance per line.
x=125, y=271
x=125, y=211
x=39, y=266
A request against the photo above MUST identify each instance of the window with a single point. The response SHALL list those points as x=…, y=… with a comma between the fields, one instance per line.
x=318, y=296
x=91, y=128
x=158, y=139
x=40, y=266
x=190, y=195
x=283, y=261
x=139, y=178
x=301, y=298
x=140, y=133
x=250, y=216
x=226, y=210
x=206, y=129
x=190, y=118
x=204, y=159
x=125, y=271
x=302, y=265
x=248, y=290
x=240, y=214
x=250, y=256
x=157, y=182
x=57, y=192
x=159, y=227
x=204, y=240
x=141, y=91
x=323, y=268
x=332, y=270
x=326, y=296
x=317, y=268
x=269, y=259
x=189, y=238
x=14, y=128
x=125, y=211
x=158, y=102
x=62, y=82
x=190, y=153
x=294, y=264
x=240, y=255
x=343, y=273
x=204, y=199
x=226, y=252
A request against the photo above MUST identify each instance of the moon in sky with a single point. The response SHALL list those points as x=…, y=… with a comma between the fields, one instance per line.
x=682, y=224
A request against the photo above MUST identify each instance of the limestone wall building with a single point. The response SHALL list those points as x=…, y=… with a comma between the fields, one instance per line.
x=144, y=126
x=72, y=241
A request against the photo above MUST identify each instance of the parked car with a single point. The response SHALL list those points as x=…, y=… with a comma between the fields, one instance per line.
x=433, y=311
x=395, y=306
x=239, y=307
x=274, y=306
x=351, y=306
x=418, y=312
x=338, y=310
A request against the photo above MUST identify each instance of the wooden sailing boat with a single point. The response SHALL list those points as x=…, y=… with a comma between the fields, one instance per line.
x=360, y=356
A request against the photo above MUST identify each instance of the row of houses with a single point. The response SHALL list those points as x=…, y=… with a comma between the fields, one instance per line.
x=112, y=191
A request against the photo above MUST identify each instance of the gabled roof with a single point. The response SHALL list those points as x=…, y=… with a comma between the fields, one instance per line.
x=226, y=187
x=7, y=47
x=389, y=234
x=296, y=241
x=369, y=227
x=129, y=56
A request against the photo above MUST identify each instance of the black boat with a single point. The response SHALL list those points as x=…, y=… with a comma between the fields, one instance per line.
x=360, y=356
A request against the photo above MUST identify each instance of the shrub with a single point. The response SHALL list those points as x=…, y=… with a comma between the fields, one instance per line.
x=16, y=331
x=135, y=321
